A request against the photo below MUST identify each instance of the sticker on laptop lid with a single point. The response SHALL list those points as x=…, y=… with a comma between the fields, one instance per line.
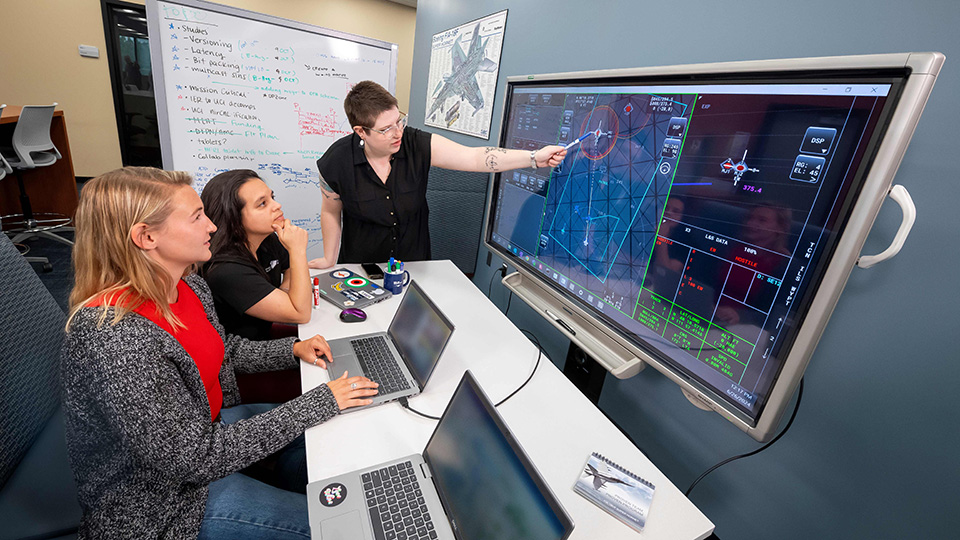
x=357, y=282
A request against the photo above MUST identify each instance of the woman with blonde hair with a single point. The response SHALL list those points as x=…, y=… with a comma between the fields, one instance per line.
x=147, y=369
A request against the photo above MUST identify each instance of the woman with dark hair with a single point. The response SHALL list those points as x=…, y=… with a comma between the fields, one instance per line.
x=258, y=272
x=374, y=181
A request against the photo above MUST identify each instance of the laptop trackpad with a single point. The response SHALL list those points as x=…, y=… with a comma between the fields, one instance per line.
x=344, y=363
x=345, y=527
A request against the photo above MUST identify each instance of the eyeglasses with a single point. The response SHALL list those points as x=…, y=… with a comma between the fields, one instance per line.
x=401, y=123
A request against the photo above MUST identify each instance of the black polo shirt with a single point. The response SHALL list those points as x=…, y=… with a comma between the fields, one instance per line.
x=381, y=219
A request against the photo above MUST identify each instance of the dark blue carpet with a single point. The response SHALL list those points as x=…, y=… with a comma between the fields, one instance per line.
x=59, y=281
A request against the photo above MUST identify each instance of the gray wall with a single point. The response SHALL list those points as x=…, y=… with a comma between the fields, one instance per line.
x=873, y=451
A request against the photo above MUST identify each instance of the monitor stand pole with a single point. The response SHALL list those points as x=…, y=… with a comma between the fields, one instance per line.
x=584, y=372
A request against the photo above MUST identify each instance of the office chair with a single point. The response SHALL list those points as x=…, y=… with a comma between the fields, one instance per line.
x=32, y=148
x=6, y=169
x=38, y=495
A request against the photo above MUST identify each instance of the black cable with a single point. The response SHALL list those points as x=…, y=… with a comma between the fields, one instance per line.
x=535, y=366
x=403, y=402
x=509, y=299
x=758, y=450
x=490, y=285
x=503, y=273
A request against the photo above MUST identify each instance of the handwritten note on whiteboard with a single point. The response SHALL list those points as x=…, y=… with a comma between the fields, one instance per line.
x=240, y=90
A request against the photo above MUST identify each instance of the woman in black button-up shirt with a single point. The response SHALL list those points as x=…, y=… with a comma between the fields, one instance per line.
x=374, y=181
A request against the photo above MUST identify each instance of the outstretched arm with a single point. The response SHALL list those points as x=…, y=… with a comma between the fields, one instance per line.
x=447, y=154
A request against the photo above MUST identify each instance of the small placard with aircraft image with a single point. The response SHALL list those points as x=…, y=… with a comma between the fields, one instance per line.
x=623, y=494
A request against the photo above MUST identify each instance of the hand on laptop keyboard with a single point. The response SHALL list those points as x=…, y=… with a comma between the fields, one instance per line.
x=313, y=350
x=379, y=364
x=352, y=391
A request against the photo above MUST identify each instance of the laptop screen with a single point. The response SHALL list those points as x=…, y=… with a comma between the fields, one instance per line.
x=488, y=486
x=420, y=332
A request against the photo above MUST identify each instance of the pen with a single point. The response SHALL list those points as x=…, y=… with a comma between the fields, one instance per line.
x=578, y=141
x=560, y=321
x=390, y=264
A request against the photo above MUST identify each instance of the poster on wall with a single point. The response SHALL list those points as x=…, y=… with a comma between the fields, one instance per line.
x=464, y=64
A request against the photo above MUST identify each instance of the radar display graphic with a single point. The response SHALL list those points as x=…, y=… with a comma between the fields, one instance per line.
x=690, y=219
x=605, y=200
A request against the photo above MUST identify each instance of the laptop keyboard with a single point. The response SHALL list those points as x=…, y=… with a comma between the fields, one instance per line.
x=378, y=364
x=396, y=506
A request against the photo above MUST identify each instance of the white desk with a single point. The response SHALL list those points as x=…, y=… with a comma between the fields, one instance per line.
x=556, y=425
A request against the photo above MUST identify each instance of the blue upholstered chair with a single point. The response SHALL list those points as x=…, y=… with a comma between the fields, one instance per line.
x=38, y=495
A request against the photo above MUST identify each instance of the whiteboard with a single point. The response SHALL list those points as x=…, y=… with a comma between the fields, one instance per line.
x=242, y=90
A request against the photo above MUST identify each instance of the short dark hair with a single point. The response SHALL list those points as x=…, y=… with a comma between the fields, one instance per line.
x=222, y=204
x=365, y=102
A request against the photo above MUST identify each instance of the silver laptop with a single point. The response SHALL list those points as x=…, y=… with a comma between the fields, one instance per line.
x=473, y=481
x=401, y=359
x=346, y=289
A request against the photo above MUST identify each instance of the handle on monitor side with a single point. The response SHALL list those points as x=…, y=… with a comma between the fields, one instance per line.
x=900, y=195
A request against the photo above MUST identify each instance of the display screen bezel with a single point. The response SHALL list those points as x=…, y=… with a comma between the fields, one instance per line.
x=837, y=220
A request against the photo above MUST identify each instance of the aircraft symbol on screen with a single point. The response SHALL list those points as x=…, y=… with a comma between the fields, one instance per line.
x=737, y=169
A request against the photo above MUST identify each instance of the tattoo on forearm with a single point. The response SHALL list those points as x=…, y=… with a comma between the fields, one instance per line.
x=491, y=162
x=489, y=149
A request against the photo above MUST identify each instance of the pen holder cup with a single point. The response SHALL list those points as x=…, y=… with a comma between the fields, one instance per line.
x=396, y=281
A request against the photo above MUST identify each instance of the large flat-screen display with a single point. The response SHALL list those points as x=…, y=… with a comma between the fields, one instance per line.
x=705, y=217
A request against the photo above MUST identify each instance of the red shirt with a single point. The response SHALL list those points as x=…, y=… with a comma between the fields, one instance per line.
x=199, y=338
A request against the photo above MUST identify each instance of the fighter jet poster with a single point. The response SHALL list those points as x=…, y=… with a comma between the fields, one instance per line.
x=464, y=63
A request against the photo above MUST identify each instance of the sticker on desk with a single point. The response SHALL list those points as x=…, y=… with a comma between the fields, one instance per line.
x=333, y=494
